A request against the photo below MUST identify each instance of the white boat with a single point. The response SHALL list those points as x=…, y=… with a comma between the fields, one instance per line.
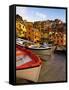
x=44, y=53
x=60, y=48
x=41, y=50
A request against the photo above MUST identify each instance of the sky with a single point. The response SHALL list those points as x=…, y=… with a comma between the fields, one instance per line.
x=38, y=14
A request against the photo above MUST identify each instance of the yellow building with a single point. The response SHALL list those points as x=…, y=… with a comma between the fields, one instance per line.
x=33, y=34
x=36, y=35
x=20, y=29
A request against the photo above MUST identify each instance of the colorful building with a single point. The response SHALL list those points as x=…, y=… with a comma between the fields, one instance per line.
x=20, y=29
x=41, y=31
x=33, y=34
x=58, y=38
x=64, y=39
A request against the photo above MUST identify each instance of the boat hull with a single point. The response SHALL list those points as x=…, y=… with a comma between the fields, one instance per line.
x=45, y=54
x=31, y=69
x=31, y=74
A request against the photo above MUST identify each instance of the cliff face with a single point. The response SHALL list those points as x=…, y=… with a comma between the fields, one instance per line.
x=18, y=17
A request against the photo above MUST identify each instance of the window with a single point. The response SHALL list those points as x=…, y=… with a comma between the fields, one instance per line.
x=35, y=36
x=19, y=26
x=61, y=41
x=23, y=26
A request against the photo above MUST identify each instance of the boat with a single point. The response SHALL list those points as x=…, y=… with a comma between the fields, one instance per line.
x=44, y=51
x=28, y=64
x=60, y=49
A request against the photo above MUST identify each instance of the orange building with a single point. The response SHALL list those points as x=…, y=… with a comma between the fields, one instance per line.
x=33, y=34
x=59, y=38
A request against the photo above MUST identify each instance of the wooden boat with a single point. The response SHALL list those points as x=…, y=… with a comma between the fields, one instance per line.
x=27, y=68
x=44, y=53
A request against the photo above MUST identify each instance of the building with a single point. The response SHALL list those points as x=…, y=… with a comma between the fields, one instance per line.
x=20, y=29
x=44, y=27
x=41, y=31
x=36, y=35
x=33, y=35
x=64, y=39
x=58, y=38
